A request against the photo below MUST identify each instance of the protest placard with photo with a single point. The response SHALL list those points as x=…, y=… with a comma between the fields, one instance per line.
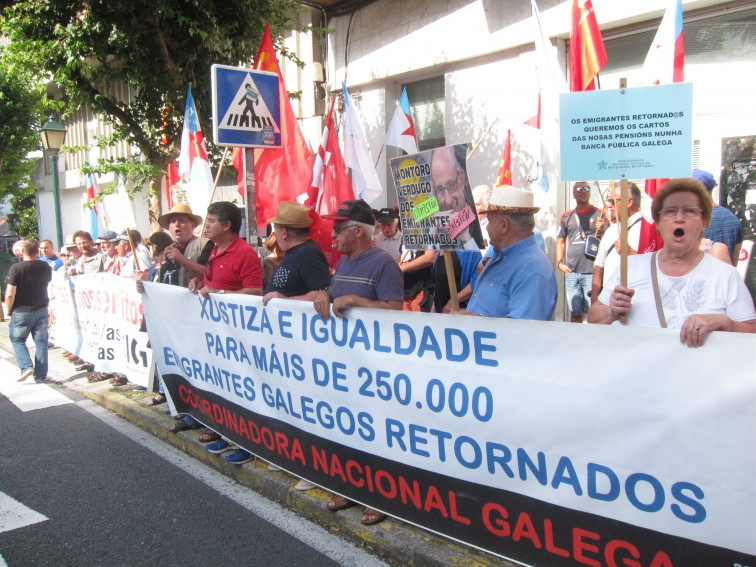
x=436, y=206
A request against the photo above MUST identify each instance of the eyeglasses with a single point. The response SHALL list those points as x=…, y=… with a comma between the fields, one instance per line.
x=338, y=229
x=582, y=189
x=209, y=270
x=612, y=201
x=450, y=187
x=688, y=212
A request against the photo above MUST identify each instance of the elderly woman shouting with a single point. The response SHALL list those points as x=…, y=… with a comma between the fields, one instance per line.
x=679, y=287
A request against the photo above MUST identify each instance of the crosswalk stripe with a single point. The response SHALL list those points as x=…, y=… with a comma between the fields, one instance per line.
x=14, y=515
x=28, y=395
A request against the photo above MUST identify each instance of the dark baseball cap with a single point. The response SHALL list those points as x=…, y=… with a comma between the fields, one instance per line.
x=387, y=214
x=356, y=210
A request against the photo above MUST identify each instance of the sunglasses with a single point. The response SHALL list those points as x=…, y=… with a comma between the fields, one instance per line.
x=582, y=189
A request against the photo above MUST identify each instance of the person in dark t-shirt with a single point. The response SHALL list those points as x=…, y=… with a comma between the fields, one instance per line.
x=26, y=301
x=303, y=271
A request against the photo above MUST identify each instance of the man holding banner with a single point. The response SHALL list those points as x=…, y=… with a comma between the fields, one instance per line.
x=365, y=277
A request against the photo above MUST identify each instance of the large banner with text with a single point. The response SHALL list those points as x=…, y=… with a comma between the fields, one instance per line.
x=99, y=317
x=495, y=432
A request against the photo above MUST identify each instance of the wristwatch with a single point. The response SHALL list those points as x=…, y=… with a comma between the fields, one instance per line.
x=222, y=291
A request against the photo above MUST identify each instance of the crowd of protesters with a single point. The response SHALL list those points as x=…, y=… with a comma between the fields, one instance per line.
x=689, y=285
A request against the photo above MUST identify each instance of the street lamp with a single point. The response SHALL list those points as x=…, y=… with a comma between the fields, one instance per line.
x=53, y=135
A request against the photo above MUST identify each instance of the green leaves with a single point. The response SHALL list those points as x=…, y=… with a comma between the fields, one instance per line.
x=154, y=48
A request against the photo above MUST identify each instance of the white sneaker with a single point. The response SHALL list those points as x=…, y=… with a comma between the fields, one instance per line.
x=303, y=485
x=25, y=374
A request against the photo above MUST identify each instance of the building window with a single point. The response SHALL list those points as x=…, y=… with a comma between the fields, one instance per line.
x=428, y=105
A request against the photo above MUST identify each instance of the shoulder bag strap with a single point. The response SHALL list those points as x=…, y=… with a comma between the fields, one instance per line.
x=657, y=297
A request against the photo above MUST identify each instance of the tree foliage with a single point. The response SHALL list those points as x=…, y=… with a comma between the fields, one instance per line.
x=156, y=47
x=23, y=220
x=21, y=106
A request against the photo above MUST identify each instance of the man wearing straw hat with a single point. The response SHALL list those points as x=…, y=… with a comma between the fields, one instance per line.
x=518, y=282
x=304, y=268
x=188, y=257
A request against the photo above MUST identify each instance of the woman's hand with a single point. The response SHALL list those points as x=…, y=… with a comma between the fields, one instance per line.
x=621, y=301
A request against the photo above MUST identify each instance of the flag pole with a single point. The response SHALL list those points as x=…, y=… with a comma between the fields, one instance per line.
x=379, y=154
x=623, y=226
x=482, y=138
x=215, y=185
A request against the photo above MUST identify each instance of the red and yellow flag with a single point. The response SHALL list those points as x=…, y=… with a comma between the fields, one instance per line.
x=587, y=53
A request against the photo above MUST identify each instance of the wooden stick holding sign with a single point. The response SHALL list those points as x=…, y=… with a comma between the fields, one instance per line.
x=623, y=225
x=133, y=250
x=452, y=281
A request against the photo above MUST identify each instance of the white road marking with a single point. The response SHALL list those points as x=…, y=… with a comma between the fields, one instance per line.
x=27, y=395
x=312, y=535
x=14, y=515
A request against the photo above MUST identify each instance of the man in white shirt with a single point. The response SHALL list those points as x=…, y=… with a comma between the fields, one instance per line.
x=389, y=238
x=608, y=257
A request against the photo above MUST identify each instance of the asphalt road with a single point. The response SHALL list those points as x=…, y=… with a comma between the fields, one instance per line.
x=114, y=495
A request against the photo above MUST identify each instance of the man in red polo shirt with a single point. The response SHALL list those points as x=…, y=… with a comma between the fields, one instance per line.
x=233, y=266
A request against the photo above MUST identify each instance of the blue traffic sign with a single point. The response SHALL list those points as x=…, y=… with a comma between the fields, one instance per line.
x=246, y=107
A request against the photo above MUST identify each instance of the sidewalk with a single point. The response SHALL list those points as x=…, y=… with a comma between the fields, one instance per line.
x=394, y=541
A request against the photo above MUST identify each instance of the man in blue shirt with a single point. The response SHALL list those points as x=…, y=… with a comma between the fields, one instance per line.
x=724, y=226
x=519, y=281
x=47, y=254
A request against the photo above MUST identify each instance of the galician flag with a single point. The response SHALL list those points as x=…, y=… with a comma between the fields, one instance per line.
x=401, y=131
x=91, y=207
x=194, y=167
x=666, y=57
x=664, y=65
x=550, y=83
x=365, y=182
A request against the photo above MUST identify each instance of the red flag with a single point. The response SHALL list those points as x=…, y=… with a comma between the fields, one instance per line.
x=587, y=53
x=282, y=174
x=329, y=188
x=237, y=158
x=505, y=170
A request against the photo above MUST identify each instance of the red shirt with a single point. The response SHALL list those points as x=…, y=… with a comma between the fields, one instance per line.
x=237, y=267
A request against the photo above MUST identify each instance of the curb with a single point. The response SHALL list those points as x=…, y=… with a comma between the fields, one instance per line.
x=393, y=541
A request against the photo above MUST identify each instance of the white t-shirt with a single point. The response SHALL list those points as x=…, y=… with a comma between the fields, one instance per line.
x=712, y=287
x=391, y=245
x=607, y=257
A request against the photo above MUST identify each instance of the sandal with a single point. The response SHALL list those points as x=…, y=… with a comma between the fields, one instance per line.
x=371, y=517
x=96, y=377
x=209, y=436
x=119, y=381
x=337, y=503
x=157, y=400
x=180, y=426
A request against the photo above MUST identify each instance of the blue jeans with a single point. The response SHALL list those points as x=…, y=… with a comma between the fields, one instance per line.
x=23, y=323
x=577, y=287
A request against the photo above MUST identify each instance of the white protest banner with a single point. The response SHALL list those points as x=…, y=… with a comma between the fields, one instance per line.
x=640, y=133
x=98, y=317
x=436, y=205
x=475, y=428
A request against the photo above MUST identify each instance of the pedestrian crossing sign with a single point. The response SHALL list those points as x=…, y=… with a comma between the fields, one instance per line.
x=246, y=107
